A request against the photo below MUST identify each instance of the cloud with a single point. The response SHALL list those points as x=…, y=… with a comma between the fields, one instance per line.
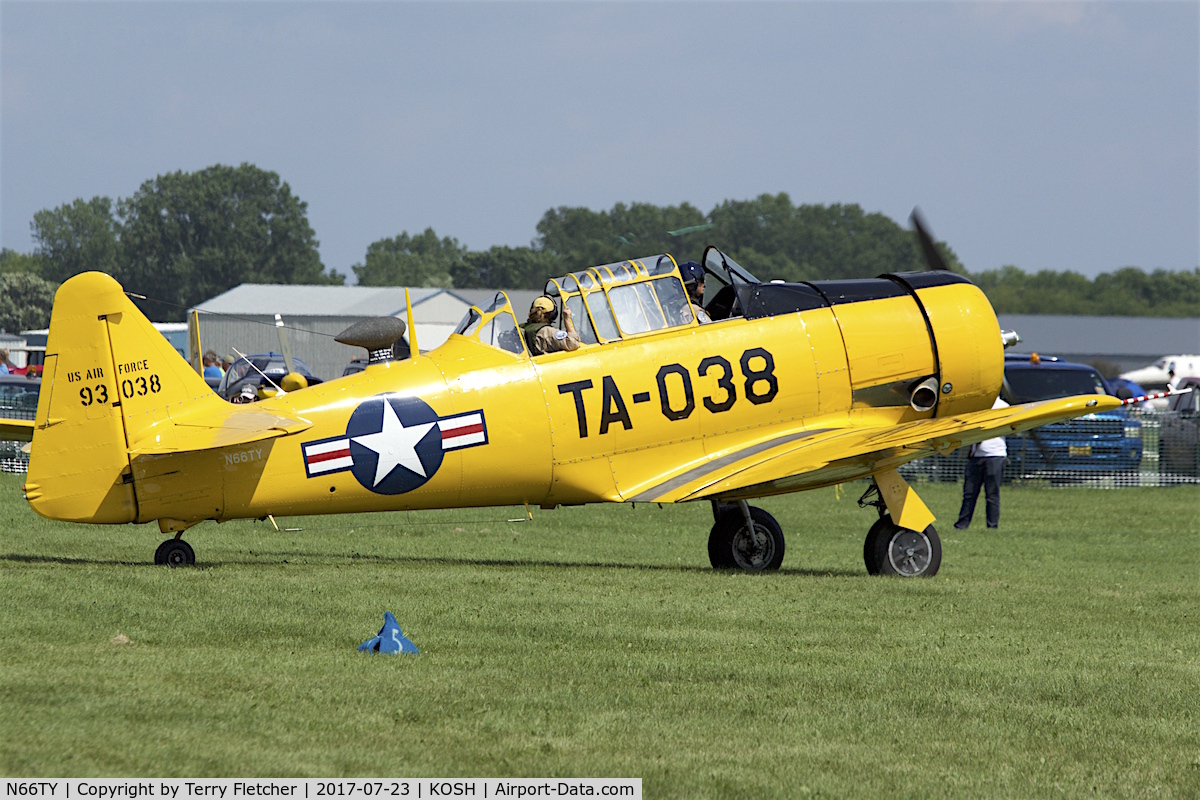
x=1018, y=17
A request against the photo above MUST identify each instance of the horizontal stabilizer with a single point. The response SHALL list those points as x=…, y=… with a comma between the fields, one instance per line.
x=223, y=428
x=16, y=430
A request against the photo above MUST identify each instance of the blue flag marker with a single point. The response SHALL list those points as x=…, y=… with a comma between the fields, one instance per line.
x=390, y=639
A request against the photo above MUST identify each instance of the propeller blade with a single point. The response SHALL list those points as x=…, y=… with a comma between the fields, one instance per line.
x=932, y=257
x=283, y=344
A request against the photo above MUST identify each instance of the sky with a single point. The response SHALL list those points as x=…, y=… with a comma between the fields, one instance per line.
x=1061, y=136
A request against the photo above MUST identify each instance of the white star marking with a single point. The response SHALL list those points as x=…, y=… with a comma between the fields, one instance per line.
x=395, y=444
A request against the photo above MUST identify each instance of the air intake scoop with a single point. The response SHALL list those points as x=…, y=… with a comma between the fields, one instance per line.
x=377, y=335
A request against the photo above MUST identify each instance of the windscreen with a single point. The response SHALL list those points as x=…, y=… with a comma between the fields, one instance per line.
x=1045, y=383
x=469, y=322
x=721, y=265
x=501, y=331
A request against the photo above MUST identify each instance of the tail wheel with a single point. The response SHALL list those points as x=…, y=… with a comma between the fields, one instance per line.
x=175, y=553
x=892, y=550
x=732, y=544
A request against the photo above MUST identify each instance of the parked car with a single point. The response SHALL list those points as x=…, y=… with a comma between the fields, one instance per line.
x=249, y=371
x=18, y=400
x=1188, y=400
x=1179, y=434
x=19, y=396
x=1107, y=442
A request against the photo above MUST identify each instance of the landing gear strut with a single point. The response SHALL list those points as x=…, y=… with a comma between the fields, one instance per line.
x=744, y=537
x=892, y=550
x=175, y=553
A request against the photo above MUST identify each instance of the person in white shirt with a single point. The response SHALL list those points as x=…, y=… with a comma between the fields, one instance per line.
x=985, y=468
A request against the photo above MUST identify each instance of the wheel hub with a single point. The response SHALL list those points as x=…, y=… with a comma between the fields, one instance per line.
x=753, y=549
x=910, y=552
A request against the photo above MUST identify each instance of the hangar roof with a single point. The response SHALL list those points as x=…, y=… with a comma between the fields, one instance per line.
x=316, y=301
x=521, y=299
x=1149, y=337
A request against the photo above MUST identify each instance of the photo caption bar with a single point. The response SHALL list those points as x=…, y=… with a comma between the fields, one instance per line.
x=305, y=788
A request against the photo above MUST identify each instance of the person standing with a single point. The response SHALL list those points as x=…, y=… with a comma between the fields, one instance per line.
x=212, y=366
x=985, y=468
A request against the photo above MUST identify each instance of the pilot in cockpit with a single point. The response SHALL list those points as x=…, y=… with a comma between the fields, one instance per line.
x=693, y=281
x=540, y=334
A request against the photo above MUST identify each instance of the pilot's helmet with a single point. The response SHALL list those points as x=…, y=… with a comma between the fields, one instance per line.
x=691, y=272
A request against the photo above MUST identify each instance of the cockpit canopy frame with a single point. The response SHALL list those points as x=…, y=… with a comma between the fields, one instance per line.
x=624, y=299
x=610, y=302
x=495, y=326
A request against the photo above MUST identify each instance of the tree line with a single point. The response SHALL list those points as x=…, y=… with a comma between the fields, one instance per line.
x=183, y=238
x=180, y=239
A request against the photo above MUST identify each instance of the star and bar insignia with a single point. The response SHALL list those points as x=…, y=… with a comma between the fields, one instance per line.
x=394, y=444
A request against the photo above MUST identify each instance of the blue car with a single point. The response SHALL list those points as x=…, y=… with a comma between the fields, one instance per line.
x=1096, y=444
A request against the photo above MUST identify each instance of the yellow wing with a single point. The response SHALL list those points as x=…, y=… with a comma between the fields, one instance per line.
x=807, y=459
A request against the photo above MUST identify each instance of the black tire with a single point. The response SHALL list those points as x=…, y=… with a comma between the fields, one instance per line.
x=732, y=546
x=720, y=554
x=882, y=525
x=903, y=552
x=175, y=553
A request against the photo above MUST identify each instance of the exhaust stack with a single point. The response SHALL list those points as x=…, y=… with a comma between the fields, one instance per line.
x=924, y=395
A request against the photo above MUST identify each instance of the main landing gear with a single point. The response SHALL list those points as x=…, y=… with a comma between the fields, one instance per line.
x=747, y=538
x=744, y=537
x=892, y=550
x=175, y=553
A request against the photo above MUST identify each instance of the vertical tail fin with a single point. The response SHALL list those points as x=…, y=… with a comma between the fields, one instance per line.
x=109, y=383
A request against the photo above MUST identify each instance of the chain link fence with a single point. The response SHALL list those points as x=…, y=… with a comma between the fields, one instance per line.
x=1127, y=448
x=18, y=400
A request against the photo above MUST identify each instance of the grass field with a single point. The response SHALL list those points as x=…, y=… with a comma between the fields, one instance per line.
x=1059, y=656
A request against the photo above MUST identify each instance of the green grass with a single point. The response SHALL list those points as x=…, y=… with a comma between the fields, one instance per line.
x=1059, y=656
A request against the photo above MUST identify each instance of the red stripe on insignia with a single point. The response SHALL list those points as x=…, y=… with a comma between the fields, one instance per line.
x=465, y=430
x=332, y=454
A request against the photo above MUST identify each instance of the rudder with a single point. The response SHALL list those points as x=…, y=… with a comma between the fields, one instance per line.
x=109, y=382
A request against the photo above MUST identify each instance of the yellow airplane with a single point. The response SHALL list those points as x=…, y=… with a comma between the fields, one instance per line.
x=792, y=386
